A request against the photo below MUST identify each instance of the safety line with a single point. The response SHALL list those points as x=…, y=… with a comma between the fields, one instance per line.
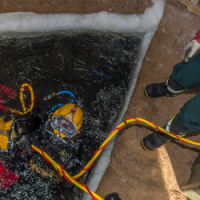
x=25, y=110
x=62, y=172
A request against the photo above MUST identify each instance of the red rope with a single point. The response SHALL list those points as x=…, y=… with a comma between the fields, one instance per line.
x=87, y=168
x=28, y=87
x=88, y=191
x=79, y=182
x=32, y=101
x=99, y=150
x=64, y=173
x=179, y=138
x=44, y=156
x=102, y=149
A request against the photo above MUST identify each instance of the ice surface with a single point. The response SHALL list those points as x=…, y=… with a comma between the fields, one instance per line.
x=144, y=25
x=104, y=21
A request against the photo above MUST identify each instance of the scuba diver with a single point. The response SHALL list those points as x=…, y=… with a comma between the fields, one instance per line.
x=63, y=125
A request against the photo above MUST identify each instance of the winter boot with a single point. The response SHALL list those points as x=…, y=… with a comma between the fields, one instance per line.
x=157, y=139
x=168, y=88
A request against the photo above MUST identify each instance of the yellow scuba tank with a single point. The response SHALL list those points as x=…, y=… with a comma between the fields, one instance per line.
x=6, y=134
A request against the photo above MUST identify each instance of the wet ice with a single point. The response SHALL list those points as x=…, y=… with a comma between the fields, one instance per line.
x=95, y=66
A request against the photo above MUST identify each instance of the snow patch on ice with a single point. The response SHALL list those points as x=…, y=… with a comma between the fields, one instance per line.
x=102, y=21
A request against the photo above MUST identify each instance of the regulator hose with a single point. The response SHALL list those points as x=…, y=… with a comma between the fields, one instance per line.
x=55, y=94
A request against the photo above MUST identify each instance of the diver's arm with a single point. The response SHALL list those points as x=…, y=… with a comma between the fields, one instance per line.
x=25, y=143
x=23, y=128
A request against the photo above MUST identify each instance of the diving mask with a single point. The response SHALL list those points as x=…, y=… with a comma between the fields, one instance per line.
x=64, y=126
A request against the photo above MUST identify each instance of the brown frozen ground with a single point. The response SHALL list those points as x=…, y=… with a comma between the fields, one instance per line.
x=134, y=173
x=75, y=6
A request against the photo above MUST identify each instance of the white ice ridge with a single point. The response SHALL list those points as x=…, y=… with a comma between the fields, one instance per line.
x=146, y=24
x=104, y=21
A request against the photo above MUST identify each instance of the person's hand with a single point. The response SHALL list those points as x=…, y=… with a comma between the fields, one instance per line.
x=190, y=49
x=25, y=143
x=112, y=196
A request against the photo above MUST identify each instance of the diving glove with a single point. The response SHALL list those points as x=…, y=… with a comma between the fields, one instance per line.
x=112, y=196
x=25, y=143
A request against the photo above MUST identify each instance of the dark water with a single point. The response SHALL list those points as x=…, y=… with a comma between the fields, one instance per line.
x=97, y=68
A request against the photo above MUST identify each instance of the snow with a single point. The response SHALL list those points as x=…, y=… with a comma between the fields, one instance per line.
x=104, y=21
x=142, y=25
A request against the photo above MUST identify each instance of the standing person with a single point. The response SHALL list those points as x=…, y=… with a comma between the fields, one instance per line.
x=185, y=75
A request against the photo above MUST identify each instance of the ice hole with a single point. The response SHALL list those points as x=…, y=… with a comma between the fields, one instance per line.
x=124, y=33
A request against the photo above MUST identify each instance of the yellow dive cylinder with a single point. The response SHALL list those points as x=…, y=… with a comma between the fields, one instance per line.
x=5, y=134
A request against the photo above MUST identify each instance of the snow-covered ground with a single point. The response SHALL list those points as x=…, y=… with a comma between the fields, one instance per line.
x=143, y=25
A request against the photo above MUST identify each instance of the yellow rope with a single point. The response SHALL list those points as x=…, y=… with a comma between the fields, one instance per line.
x=58, y=168
x=25, y=110
x=95, y=156
x=97, y=153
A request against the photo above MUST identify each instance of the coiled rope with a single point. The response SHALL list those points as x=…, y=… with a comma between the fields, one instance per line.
x=25, y=110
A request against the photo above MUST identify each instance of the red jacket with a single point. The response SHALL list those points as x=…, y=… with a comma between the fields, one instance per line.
x=197, y=38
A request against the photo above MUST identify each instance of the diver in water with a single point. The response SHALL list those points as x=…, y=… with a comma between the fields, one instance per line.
x=63, y=125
